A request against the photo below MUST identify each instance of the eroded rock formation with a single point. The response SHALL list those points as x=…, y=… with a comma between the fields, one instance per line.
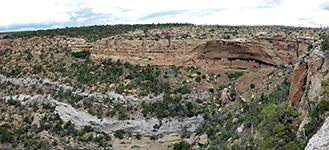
x=298, y=81
x=320, y=141
x=213, y=53
x=169, y=126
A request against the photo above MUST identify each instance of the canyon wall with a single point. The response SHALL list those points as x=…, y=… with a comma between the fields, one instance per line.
x=214, y=53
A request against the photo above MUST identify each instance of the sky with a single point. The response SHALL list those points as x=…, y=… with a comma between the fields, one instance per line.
x=22, y=15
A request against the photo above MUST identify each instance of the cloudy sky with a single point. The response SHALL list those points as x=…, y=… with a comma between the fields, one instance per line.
x=18, y=15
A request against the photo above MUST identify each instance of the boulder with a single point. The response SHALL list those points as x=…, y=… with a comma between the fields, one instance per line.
x=189, y=141
x=203, y=139
x=240, y=129
x=225, y=96
x=235, y=120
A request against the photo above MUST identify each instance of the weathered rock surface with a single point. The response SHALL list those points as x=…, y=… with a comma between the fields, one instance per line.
x=316, y=62
x=170, y=126
x=144, y=127
x=320, y=140
x=317, y=65
x=203, y=139
x=298, y=81
x=260, y=52
x=225, y=96
x=229, y=53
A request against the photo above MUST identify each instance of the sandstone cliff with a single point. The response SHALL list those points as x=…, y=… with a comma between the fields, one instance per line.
x=214, y=53
x=309, y=71
x=308, y=74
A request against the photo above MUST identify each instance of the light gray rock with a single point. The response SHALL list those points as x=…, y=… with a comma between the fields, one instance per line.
x=320, y=140
x=240, y=129
x=235, y=120
x=225, y=96
x=203, y=139
x=170, y=126
x=144, y=127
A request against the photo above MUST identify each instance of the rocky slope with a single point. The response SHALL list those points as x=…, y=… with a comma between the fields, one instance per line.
x=202, y=88
x=81, y=118
x=320, y=139
x=308, y=87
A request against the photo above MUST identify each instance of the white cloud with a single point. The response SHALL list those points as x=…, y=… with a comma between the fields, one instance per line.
x=81, y=19
x=234, y=12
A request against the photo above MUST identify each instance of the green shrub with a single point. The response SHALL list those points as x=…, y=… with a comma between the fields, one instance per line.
x=310, y=46
x=182, y=145
x=252, y=85
x=55, y=143
x=6, y=136
x=154, y=137
x=280, y=127
x=119, y=134
x=316, y=121
x=198, y=100
x=235, y=76
x=198, y=79
x=138, y=136
x=325, y=44
x=81, y=54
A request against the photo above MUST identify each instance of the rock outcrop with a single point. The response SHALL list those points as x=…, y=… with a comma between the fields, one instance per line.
x=298, y=81
x=316, y=64
x=309, y=72
x=169, y=126
x=214, y=53
x=320, y=141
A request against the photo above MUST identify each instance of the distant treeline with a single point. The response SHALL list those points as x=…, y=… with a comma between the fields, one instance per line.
x=91, y=33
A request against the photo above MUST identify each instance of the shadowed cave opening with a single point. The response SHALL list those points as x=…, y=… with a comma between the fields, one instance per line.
x=250, y=60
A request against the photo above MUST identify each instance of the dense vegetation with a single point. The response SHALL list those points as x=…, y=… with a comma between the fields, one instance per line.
x=30, y=134
x=325, y=44
x=81, y=54
x=276, y=122
x=92, y=33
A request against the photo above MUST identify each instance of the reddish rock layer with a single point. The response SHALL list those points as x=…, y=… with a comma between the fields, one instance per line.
x=297, y=83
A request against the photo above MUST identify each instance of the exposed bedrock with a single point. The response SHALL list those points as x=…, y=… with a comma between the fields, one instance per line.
x=255, y=53
x=228, y=53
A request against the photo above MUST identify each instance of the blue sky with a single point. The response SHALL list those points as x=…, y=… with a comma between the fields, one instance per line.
x=20, y=15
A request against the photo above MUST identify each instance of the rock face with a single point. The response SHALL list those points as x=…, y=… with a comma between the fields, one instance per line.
x=144, y=127
x=298, y=81
x=320, y=140
x=316, y=64
x=308, y=72
x=212, y=53
x=170, y=126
